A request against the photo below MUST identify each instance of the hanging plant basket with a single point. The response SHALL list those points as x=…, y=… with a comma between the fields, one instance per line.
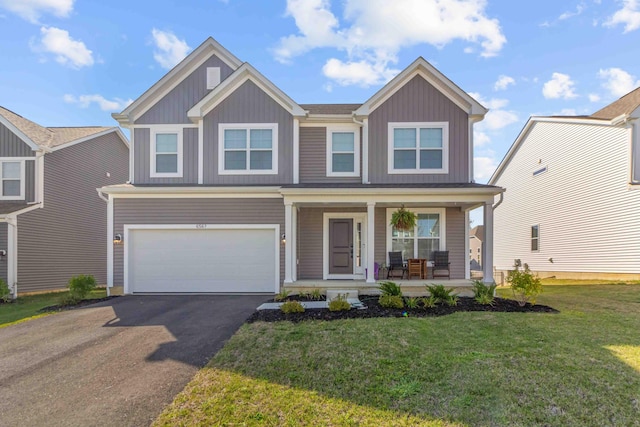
x=404, y=220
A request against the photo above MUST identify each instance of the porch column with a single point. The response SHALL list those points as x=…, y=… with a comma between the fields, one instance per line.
x=371, y=242
x=294, y=244
x=288, y=235
x=467, y=265
x=487, y=244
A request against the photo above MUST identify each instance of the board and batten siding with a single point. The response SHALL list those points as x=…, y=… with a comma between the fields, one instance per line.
x=418, y=101
x=12, y=146
x=68, y=236
x=455, y=242
x=589, y=219
x=193, y=211
x=142, y=158
x=3, y=246
x=313, y=157
x=173, y=107
x=30, y=180
x=248, y=104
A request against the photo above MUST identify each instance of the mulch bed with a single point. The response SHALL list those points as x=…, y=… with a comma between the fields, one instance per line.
x=82, y=303
x=375, y=310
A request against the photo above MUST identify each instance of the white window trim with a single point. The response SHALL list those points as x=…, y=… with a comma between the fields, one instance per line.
x=179, y=131
x=417, y=125
x=531, y=238
x=443, y=228
x=248, y=126
x=20, y=160
x=356, y=150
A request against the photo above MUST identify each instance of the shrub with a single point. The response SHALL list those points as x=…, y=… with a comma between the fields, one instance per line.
x=283, y=295
x=292, y=307
x=442, y=295
x=482, y=293
x=80, y=286
x=5, y=292
x=339, y=303
x=411, y=302
x=315, y=295
x=525, y=285
x=391, y=301
x=390, y=288
x=68, y=299
x=428, y=302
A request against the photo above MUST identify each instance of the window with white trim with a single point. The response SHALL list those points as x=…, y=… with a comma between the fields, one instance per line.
x=248, y=149
x=11, y=180
x=423, y=240
x=418, y=147
x=166, y=153
x=535, y=238
x=343, y=151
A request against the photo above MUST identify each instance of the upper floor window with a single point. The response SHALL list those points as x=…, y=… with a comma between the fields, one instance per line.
x=166, y=153
x=418, y=148
x=12, y=180
x=343, y=151
x=248, y=149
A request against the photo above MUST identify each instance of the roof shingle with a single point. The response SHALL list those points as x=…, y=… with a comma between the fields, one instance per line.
x=330, y=108
x=625, y=105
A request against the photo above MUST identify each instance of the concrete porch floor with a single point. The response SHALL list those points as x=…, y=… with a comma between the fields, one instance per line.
x=412, y=288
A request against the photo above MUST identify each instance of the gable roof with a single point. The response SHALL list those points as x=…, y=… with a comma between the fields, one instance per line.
x=231, y=83
x=623, y=106
x=51, y=138
x=477, y=232
x=427, y=71
x=177, y=74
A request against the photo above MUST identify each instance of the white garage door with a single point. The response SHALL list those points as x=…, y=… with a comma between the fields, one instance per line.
x=210, y=260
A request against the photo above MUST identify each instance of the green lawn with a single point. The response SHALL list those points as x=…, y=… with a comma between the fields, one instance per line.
x=26, y=307
x=580, y=367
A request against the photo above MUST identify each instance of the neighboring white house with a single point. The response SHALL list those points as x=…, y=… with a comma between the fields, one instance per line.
x=572, y=205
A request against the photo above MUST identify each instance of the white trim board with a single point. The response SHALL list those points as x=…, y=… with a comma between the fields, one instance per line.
x=443, y=227
x=275, y=142
x=331, y=129
x=391, y=126
x=19, y=133
x=179, y=131
x=128, y=228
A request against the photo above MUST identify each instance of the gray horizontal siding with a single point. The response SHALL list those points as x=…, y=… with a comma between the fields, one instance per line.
x=3, y=246
x=30, y=180
x=418, y=101
x=313, y=157
x=68, y=236
x=249, y=104
x=12, y=146
x=173, y=107
x=455, y=242
x=193, y=211
x=142, y=158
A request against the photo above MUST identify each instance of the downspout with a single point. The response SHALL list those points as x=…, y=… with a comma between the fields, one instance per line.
x=110, y=236
x=12, y=251
x=499, y=201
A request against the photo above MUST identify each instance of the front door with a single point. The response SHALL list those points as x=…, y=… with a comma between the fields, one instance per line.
x=341, y=246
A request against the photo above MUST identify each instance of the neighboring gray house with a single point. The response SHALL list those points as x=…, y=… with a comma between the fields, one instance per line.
x=475, y=244
x=235, y=187
x=52, y=220
x=573, y=205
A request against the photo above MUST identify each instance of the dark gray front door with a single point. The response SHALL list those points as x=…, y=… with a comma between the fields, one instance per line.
x=341, y=246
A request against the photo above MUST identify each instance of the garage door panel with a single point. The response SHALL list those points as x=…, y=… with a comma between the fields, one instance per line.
x=219, y=260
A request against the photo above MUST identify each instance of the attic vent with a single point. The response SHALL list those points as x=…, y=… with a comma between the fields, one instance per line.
x=213, y=77
x=539, y=171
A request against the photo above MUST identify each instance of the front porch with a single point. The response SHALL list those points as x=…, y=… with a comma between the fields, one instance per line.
x=411, y=288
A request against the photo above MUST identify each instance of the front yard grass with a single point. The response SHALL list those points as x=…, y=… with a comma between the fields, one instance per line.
x=27, y=307
x=580, y=367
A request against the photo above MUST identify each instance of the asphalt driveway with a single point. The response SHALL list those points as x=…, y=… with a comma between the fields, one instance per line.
x=116, y=363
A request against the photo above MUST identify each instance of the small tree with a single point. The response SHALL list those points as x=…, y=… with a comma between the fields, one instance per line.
x=525, y=285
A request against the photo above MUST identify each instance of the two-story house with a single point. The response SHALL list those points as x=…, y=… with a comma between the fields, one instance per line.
x=52, y=221
x=573, y=205
x=235, y=187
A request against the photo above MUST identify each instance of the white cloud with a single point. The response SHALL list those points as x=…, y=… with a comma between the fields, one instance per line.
x=567, y=112
x=67, y=51
x=503, y=82
x=569, y=14
x=361, y=73
x=31, y=10
x=480, y=139
x=84, y=101
x=483, y=168
x=497, y=117
x=617, y=81
x=560, y=86
x=169, y=48
x=594, y=97
x=629, y=16
x=373, y=32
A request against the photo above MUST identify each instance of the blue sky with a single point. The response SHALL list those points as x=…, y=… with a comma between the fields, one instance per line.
x=73, y=62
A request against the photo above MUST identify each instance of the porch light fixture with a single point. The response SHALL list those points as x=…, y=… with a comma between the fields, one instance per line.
x=283, y=238
x=3, y=253
x=117, y=239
